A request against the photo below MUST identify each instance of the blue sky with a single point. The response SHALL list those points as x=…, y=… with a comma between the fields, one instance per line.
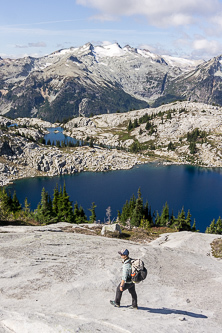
x=184, y=28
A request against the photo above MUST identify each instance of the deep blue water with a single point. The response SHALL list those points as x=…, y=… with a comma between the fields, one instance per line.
x=197, y=189
x=59, y=136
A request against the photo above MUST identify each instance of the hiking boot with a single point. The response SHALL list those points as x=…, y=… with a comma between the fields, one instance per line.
x=114, y=304
x=133, y=307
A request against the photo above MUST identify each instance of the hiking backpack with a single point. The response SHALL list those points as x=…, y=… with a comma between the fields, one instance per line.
x=139, y=271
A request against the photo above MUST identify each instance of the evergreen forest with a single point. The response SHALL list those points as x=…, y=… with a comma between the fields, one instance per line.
x=59, y=208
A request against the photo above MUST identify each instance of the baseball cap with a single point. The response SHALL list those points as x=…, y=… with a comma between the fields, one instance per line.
x=124, y=252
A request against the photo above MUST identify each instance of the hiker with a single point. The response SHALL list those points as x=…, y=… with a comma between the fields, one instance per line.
x=126, y=282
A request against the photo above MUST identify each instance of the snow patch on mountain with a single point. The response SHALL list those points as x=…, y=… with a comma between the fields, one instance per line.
x=186, y=64
x=147, y=54
x=113, y=50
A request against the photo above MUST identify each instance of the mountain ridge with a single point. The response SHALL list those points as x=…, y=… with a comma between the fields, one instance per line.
x=103, y=79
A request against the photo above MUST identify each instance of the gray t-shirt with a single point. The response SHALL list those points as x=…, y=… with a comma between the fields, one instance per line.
x=127, y=269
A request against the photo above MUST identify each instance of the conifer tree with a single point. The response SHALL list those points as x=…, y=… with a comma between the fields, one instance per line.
x=65, y=210
x=118, y=215
x=5, y=203
x=194, y=226
x=55, y=201
x=181, y=221
x=135, y=123
x=164, y=218
x=92, y=218
x=79, y=215
x=82, y=215
x=212, y=228
x=132, y=205
x=58, y=145
x=125, y=212
x=215, y=227
x=138, y=211
x=26, y=208
x=219, y=226
x=172, y=218
x=130, y=125
x=15, y=205
x=91, y=143
x=157, y=219
x=188, y=220
x=10, y=201
x=148, y=214
x=76, y=213
x=143, y=223
x=43, y=213
x=148, y=126
x=146, y=210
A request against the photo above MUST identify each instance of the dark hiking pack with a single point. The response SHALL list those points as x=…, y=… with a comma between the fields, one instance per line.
x=139, y=271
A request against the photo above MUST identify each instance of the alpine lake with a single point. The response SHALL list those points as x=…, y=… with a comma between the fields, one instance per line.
x=196, y=189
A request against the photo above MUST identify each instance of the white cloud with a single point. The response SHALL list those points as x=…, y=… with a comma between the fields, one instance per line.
x=205, y=49
x=39, y=44
x=205, y=45
x=20, y=55
x=104, y=17
x=106, y=43
x=217, y=19
x=155, y=48
x=214, y=28
x=158, y=12
x=21, y=46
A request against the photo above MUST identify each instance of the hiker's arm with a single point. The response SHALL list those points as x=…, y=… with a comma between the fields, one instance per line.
x=122, y=285
x=126, y=272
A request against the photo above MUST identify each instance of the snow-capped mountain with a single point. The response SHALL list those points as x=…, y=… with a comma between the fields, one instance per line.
x=202, y=84
x=97, y=79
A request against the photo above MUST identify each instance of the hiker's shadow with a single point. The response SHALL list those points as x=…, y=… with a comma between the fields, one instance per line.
x=167, y=311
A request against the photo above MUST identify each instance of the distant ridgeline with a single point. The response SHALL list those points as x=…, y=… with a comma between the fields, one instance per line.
x=60, y=209
x=103, y=79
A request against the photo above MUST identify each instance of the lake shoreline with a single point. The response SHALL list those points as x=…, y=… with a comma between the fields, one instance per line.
x=194, y=188
x=6, y=178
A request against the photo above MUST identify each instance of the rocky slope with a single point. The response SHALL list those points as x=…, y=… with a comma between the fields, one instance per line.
x=85, y=80
x=55, y=281
x=21, y=155
x=171, y=123
x=203, y=84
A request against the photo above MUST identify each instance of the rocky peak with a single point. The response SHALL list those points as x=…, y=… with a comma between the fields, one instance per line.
x=125, y=73
x=87, y=48
x=130, y=49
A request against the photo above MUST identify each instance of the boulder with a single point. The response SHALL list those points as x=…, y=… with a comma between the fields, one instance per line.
x=111, y=228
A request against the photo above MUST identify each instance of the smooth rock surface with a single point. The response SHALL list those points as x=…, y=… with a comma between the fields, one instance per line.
x=54, y=281
x=111, y=228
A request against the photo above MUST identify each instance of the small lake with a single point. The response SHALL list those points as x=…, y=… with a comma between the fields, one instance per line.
x=197, y=189
x=56, y=134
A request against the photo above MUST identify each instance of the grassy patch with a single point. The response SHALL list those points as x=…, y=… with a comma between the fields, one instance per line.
x=125, y=136
x=18, y=223
x=138, y=235
x=141, y=235
x=86, y=230
x=216, y=246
